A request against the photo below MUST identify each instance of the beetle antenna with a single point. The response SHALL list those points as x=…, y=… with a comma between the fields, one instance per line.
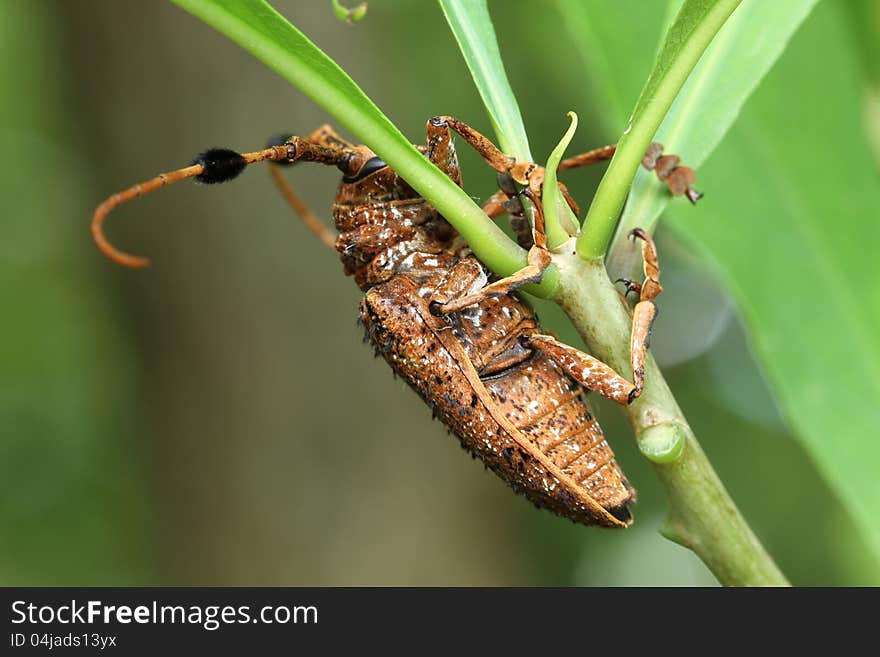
x=216, y=165
x=313, y=224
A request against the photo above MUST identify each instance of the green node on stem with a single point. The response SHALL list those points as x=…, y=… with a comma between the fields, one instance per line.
x=662, y=443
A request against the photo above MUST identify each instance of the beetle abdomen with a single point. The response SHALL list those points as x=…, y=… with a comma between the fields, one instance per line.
x=549, y=408
x=555, y=453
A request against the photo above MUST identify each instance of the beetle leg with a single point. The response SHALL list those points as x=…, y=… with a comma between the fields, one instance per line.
x=568, y=199
x=328, y=137
x=645, y=311
x=506, y=199
x=464, y=275
x=592, y=373
x=528, y=174
x=678, y=178
x=502, y=203
x=480, y=143
x=516, y=213
x=590, y=157
x=441, y=150
x=315, y=225
x=640, y=339
x=496, y=205
x=595, y=375
x=587, y=370
x=631, y=286
x=326, y=147
x=531, y=273
x=651, y=288
x=538, y=261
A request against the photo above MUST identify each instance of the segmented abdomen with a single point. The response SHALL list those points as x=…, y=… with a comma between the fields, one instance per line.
x=549, y=408
x=530, y=391
x=510, y=406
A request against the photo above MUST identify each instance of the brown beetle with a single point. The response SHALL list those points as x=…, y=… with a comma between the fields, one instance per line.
x=464, y=341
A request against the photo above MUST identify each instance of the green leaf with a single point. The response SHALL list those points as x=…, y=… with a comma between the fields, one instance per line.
x=470, y=23
x=556, y=211
x=789, y=222
x=693, y=28
x=618, y=61
x=732, y=67
x=865, y=18
x=791, y=226
x=259, y=28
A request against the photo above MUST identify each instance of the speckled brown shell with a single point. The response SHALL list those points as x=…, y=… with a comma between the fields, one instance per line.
x=510, y=406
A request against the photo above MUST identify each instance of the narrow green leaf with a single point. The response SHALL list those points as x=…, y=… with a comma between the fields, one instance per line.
x=791, y=224
x=789, y=220
x=694, y=27
x=259, y=28
x=556, y=210
x=732, y=67
x=471, y=24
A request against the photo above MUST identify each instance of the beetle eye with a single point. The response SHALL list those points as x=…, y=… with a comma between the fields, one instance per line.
x=370, y=166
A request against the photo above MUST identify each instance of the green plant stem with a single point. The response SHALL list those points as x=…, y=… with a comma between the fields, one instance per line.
x=705, y=109
x=702, y=516
x=687, y=39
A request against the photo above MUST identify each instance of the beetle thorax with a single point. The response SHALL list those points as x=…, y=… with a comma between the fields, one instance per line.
x=386, y=228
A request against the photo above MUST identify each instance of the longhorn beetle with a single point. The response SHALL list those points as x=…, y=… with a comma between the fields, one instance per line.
x=474, y=351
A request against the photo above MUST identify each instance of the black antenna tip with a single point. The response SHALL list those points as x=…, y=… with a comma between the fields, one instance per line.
x=221, y=164
x=279, y=140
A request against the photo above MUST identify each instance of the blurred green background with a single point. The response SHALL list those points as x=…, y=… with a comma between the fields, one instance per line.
x=215, y=420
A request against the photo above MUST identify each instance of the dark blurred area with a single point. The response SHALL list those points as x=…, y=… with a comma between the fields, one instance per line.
x=216, y=420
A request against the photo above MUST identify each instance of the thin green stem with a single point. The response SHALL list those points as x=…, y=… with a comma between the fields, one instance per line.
x=687, y=39
x=702, y=515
